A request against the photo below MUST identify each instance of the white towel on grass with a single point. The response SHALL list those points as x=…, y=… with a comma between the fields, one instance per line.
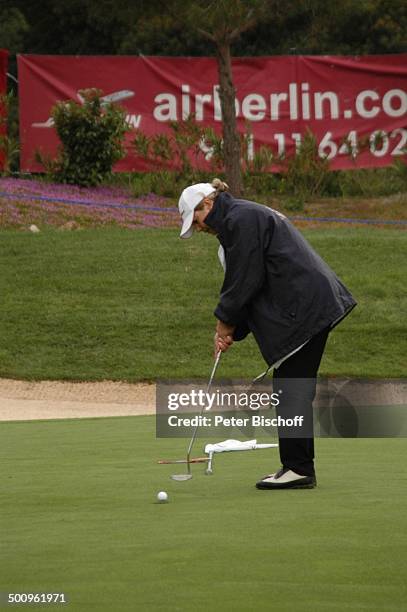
x=236, y=445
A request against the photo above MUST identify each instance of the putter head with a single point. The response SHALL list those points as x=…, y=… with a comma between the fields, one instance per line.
x=209, y=472
x=180, y=477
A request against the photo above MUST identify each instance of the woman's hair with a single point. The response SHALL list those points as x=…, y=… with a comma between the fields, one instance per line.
x=219, y=186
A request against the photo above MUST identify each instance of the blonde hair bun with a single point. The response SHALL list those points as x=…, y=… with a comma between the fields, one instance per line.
x=219, y=185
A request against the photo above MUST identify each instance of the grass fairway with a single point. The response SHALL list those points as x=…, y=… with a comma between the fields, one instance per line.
x=132, y=305
x=79, y=516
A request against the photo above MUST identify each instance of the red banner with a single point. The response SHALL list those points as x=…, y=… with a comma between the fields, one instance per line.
x=355, y=106
x=3, y=91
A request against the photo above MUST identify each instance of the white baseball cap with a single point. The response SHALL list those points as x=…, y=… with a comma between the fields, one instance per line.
x=189, y=200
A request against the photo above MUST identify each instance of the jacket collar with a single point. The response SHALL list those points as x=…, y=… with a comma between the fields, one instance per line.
x=216, y=217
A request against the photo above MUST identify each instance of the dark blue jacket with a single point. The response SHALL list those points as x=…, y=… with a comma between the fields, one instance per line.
x=276, y=286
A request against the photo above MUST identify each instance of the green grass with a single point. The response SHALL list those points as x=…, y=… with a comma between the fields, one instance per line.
x=132, y=305
x=79, y=516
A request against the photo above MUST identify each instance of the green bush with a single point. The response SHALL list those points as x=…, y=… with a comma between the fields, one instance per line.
x=261, y=185
x=298, y=179
x=141, y=184
x=91, y=135
x=163, y=183
x=180, y=148
x=371, y=182
x=306, y=174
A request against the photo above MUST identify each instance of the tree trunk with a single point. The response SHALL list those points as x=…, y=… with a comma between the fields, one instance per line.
x=231, y=140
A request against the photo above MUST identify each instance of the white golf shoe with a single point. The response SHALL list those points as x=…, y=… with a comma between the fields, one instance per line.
x=286, y=479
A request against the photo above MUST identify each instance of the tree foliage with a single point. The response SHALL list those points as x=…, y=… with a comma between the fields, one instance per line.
x=13, y=29
x=151, y=28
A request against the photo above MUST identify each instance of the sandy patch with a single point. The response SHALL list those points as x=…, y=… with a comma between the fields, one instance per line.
x=23, y=400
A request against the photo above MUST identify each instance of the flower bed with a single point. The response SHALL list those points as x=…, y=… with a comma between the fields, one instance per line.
x=26, y=202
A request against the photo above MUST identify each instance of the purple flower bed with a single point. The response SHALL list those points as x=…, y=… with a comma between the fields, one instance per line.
x=26, y=202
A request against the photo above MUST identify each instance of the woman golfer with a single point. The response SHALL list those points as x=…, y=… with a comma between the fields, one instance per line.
x=280, y=290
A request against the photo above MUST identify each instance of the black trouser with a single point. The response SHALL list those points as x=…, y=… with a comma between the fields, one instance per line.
x=297, y=454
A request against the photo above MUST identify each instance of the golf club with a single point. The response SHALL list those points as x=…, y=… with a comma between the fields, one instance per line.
x=188, y=475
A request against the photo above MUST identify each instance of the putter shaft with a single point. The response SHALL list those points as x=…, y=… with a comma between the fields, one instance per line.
x=215, y=366
x=188, y=461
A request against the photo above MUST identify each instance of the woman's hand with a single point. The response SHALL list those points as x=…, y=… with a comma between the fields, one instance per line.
x=223, y=337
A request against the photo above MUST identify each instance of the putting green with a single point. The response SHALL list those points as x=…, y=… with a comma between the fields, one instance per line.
x=79, y=516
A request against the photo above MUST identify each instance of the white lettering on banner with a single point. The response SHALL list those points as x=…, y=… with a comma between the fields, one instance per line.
x=381, y=143
x=250, y=147
x=297, y=139
x=388, y=100
x=206, y=149
x=186, y=107
x=167, y=107
x=305, y=101
x=361, y=104
x=320, y=98
x=400, y=148
x=298, y=103
x=133, y=120
x=275, y=100
x=253, y=107
x=200, y=101
x=293, y=97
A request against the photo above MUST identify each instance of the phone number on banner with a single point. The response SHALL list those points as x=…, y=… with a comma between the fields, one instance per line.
x=379, y=143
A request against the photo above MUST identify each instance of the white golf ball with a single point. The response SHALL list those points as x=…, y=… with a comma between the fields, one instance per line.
x=162, y=496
